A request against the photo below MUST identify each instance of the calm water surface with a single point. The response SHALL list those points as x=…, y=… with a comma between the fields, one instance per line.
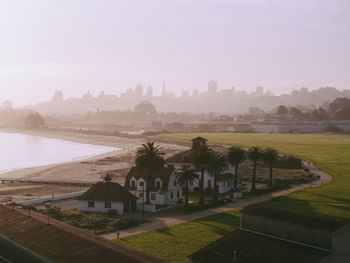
x=18, y=151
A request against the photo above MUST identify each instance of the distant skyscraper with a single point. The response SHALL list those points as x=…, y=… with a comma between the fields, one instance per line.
x=163, y=89
x=195, y=93
x=259, y=90
x=149, y=91
x=212, y=87
x=304, y=90
x=139, y=90
x=185, y=94
x=166, y=94
x=57, y=96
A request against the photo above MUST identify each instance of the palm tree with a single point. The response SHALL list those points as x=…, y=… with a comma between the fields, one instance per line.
x=200, y=159
x=149, y=159
x=270, y=156
x=185, y=177
x=217, y=164
x=255, y=155
x=236, y=155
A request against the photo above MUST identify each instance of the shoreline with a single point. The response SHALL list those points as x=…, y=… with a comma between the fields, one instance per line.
x=86, y=169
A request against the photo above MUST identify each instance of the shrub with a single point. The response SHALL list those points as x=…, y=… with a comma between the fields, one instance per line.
x=288, y=162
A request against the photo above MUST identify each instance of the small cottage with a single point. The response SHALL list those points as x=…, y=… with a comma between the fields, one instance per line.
x=107, y=196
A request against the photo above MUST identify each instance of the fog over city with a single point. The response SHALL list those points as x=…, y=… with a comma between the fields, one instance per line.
x=113, y=46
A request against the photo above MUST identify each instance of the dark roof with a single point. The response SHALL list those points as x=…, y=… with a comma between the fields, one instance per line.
x=108, y=192
x=181, y=157
x=252, y=247
x=61, y=243
x=163, y=174
x=309, y=221
x=224, y=177
x=199, y=139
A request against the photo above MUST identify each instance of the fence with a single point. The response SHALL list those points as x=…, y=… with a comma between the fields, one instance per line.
x=313, y=237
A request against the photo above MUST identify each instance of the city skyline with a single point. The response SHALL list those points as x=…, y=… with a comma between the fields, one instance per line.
x=112, y=46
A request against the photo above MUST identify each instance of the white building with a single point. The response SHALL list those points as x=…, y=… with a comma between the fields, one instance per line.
x=224, y=180
x=107, y=196
x=164, y=187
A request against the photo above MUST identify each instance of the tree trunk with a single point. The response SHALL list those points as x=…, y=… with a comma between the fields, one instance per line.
x=186, y=194
x=254, y=176
x=270, y=173
x=235, y=182
x=201, y=188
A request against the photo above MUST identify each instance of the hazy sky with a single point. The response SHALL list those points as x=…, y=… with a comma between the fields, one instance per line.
x=79, y=45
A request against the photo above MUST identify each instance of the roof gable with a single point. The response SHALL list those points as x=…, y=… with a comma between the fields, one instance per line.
x=163, y=174
x=108, y=192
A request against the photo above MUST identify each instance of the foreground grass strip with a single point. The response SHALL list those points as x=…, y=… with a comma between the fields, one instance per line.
x=176, y=242
x=328, y=152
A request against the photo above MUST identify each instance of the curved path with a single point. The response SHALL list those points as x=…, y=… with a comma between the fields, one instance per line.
x=161, y=220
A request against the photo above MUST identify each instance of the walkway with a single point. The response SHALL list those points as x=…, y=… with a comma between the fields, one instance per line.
x=166, y=220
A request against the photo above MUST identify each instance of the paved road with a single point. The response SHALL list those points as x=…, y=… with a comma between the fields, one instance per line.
x=166, y=220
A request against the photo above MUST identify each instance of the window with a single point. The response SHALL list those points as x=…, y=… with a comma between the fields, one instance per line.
x=141, y=195
x=228, y=184
x=209, y=183
x=141, y=184
x=91, y=204
x=158, y=185
x=133, y=184
x=171, y=195
x=153, y=196
x=178, y=194
x=174, y=182
x=108, y=204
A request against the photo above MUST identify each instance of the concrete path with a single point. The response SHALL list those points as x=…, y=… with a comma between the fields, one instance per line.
x=166, y=220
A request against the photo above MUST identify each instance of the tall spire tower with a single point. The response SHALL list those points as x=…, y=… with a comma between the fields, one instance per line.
x=163, y=91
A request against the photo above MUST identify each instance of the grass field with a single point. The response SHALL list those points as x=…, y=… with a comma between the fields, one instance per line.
x=176, y=242
x=328, y=152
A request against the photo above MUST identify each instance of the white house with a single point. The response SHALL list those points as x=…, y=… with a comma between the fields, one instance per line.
x=164, y=187
x=224, y=180
x=107, y=196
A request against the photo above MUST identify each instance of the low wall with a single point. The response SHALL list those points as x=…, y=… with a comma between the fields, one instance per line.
x=313, y=237
x=49, y=198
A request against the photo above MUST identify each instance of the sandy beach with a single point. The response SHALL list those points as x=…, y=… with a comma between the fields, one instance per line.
x=91, y=169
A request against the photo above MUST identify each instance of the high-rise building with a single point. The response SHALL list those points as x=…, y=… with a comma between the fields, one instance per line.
x=149, y=92
x=139, y=90
x=212, y=87
x=195, y=93
x=185, y=94
x=259, y=90
x=163, y=89
x=57, y=96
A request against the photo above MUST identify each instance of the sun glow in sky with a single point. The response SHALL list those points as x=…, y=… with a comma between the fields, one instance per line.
x=108, y=45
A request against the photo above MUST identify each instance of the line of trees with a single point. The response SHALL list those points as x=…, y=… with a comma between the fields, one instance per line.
x=150, y=159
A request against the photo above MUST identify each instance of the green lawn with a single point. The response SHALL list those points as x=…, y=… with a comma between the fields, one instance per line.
x=176, y=242
x=328, y=152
